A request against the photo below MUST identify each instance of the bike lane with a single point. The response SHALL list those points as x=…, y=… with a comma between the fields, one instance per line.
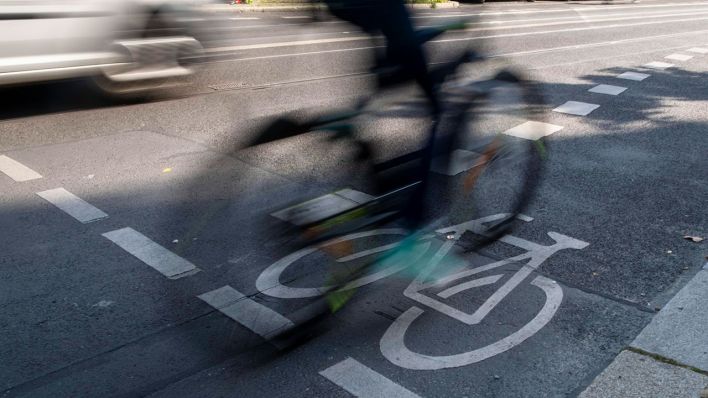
x=539, y=338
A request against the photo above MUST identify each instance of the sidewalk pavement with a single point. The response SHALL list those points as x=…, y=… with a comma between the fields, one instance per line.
x=669, y=358
x=238, y=8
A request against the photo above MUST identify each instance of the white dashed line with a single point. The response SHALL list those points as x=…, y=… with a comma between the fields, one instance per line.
x=296, y=17
x=679, y=57
x=698, y=50
x=361, y=381
x=243, y=18
x=256, y=317
x=533, y=130
x=636, y=76
x=658, y=65
x=16, y=170
x=576, y=108
x=72, y=205
x=607, y=89
x=152, y=254
x=322, y=207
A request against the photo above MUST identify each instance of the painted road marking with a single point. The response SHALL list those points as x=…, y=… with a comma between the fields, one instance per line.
x=152, y=254
x=559, y=10
x=72, y=205
x=576, y=108
x=533, y=130
x=636, y=76
x=243, y=18
x=521, y=34
x=679, y=57
x=658, y=65
x=322, y=207
x=252, y=315
x=362, y=381
x=698, y=50
x=607, y=89
x=297, y=17
x=16, y=170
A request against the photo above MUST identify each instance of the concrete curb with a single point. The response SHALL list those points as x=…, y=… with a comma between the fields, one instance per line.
x=669, y=358
x=239, y=8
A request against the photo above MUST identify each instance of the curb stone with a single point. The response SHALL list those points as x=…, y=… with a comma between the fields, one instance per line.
x=668, y=358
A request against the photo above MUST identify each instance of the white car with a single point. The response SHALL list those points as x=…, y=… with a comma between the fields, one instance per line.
x=126, y=45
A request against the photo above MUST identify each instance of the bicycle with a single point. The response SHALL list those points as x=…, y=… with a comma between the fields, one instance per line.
x=475, y=166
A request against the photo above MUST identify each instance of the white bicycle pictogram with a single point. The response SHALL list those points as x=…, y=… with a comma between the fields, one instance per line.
x=392, y=343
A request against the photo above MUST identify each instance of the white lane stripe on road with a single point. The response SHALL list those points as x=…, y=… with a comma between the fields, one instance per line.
x=573, y=9
x=698, y=50
x=576, y=21
x=658, y=65
x=362, y=381
x=285, y=44
x=16, y=170
x=679, y=57
x=152, y=254
x=520, y=34
x=72, y=205
x=533, y=130
x=576, y=108
x=511, y=54
x=296, y=17
x=254, y=316
x=243, y=18
x=607, y=89
x=635, y=76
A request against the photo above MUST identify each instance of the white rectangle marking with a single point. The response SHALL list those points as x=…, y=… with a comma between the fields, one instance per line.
x=607, y=89
x=72, y=205
x=315, y=209
x=576, y=108
x=636, y=76
x=354, y=195
x=243, y=18
x=679, y=57
x=152, y=254
x=698, y=50
x=658, y=65
x=361, y=381
x=533, y=130
x=256, y=317
x=16, y=170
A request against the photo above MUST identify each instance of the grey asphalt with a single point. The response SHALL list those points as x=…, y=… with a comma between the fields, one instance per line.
x=81, y=317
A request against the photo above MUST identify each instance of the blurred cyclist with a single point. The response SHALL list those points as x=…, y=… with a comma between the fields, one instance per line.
x=404, y=49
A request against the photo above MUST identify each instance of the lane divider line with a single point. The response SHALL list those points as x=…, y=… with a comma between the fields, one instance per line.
x=658, y=65
x=533, y=130
x=698, y=50
x=679, y=57
x=72, y=205
x=636, y=76
x=576, y=108
x=362, y=381
x=250, y=314
x=162, y=260
x=608, y=89
x=16, y=170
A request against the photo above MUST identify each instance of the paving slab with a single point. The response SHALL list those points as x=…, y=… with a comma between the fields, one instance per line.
x=633, y=375
x=678, y=331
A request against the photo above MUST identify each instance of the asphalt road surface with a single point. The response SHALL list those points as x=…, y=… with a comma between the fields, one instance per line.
x=111, y=283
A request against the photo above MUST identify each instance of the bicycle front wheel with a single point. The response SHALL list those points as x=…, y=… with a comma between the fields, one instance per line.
x=494, y=152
